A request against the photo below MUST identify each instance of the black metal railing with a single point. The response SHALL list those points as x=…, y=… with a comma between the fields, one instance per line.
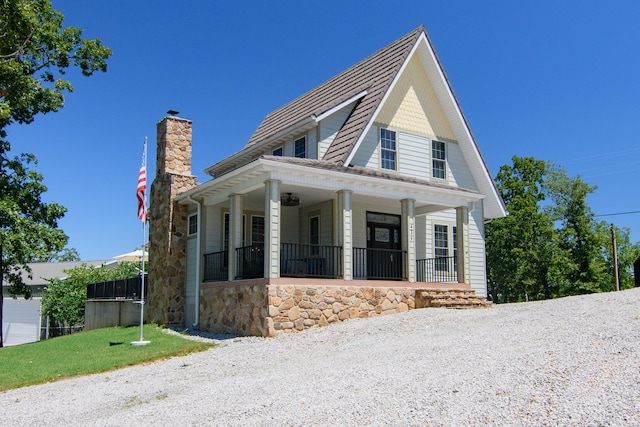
x=303, y=260
x=378, y=264
x=250, y=262
x=117, y=289
x=441, y=269
x=216, y=266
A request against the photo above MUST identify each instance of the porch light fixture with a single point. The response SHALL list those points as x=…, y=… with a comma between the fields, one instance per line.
x=289, y=200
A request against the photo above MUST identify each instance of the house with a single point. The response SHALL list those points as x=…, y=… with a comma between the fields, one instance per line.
x=22, y=321
x=367, y=195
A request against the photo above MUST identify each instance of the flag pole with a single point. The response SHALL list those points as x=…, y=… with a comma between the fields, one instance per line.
x=142, y=215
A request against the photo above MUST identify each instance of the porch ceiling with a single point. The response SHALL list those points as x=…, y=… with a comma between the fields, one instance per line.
x=314, y=182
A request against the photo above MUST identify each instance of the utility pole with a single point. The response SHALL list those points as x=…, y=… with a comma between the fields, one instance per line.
x=615, y=257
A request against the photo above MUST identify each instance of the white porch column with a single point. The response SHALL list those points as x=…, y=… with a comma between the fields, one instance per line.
x=461, y=230
x=272, y=229
x=235, y=232
x=408, y=239
x=344, y=232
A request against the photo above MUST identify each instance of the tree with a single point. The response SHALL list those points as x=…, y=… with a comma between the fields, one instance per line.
x=28, y=226
x=521, y=260
x=66, y=254
x=550, y=243
x=64, y=299
x=578, y=232
x=627, y=254
x=35, y=52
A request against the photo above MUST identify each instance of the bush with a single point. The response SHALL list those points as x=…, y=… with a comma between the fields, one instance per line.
x=63, y=299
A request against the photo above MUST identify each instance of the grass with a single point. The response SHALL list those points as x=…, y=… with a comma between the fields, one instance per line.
x=88, y=352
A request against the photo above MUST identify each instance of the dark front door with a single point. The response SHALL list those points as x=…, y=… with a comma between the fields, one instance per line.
x=384, y=254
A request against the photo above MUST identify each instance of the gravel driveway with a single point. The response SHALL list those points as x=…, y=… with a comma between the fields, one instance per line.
x=567, y=362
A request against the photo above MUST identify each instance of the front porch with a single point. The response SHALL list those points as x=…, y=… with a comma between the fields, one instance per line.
x=321, y=261
x=283, y=246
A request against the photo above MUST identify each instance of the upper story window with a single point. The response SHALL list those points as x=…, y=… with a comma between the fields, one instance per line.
x=192, y=225
x=278, y=152
x=300, y=147
x=438, y=159
x=387, y=149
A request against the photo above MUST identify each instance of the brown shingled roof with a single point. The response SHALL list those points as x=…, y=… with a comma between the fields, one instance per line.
x=373, y=74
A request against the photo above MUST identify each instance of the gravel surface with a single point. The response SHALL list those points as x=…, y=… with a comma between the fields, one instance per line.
x=567, y=362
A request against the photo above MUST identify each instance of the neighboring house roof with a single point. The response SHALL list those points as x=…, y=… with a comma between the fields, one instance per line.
x=367, y=85
x=41, y=271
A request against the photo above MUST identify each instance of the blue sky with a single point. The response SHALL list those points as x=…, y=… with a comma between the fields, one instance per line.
x=557, y=80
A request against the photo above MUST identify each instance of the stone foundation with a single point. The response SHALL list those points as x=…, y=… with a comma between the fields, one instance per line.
x=239, y=310
x=272, y=309
x=295, y=308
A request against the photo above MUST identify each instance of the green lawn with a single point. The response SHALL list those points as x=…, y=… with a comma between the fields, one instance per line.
x=87, y=353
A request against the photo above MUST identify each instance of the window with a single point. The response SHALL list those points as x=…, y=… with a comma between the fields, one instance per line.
x=257, y=230
x=300, y=147
x=455, y=249
x=314, y=234
x=441, y=246
x=192, y=224
x=438, y=159
x=314, y=230
x=277, y=152
x=387, y=149
x=225, y=244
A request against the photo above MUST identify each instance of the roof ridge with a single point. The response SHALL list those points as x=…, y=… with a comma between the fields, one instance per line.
x=357, y=121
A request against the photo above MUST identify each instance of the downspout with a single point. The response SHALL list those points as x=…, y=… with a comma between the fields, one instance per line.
x=198, y=241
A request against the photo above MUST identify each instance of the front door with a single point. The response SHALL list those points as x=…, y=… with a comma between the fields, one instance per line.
x=384, y=254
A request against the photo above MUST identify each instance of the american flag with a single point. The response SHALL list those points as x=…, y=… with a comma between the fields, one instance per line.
x=142, y=187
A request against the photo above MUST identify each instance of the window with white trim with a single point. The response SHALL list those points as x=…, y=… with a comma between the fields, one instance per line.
x=192, y=225
x=314, y=230
x=387, y=149
x=300, y=147
x=314, y=233
x=441, y=240
x=225, y=231
x=257, y=230
x=438, y=160
x=455, y=249
x=278, y=152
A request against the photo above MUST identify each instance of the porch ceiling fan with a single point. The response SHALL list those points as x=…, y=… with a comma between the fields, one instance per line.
x=289, y=200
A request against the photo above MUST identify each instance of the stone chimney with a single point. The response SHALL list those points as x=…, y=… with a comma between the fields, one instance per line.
x=168, y=222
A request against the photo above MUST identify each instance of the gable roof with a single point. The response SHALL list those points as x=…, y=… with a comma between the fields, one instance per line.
x=365, y=82
x=367, y=85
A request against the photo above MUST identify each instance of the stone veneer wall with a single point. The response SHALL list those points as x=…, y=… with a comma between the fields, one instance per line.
x=270, y=310
x=168, y=223
x=238, y=310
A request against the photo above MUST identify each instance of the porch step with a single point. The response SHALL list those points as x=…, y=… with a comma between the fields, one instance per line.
x=450, y=298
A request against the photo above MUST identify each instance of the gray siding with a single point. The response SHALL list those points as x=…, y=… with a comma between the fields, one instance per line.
x=329, y=127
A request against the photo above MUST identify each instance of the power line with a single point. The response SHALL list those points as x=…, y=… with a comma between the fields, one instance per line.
x=619, y=213
x=597, y=156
